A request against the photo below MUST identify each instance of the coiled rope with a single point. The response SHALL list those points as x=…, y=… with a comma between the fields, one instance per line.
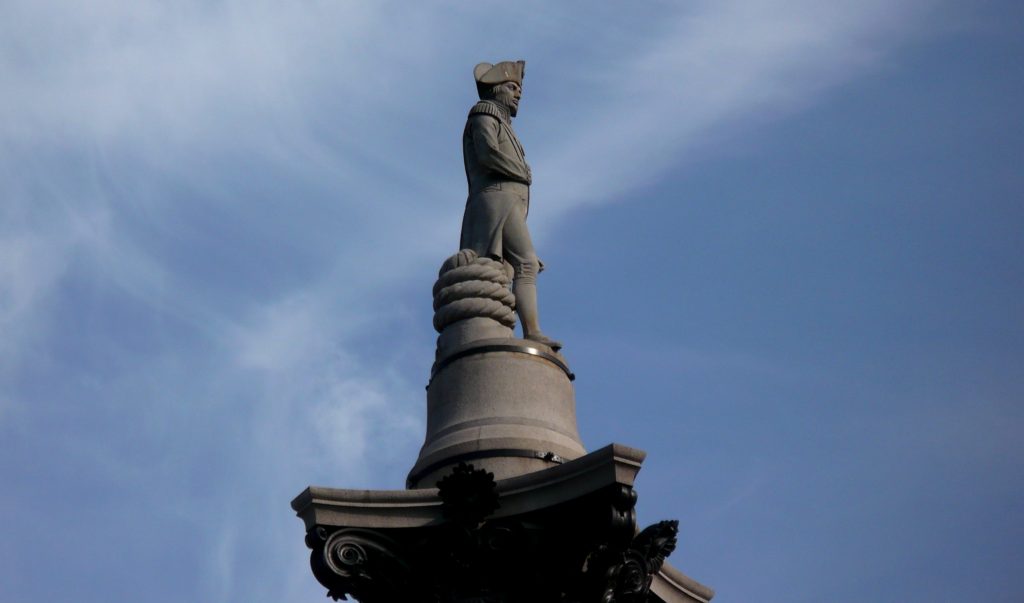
x=469, y=286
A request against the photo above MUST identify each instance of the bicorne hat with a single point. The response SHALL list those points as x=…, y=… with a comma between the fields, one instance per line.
x=488, y=75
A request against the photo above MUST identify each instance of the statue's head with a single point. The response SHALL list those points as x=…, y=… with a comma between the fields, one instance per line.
x=502, y=83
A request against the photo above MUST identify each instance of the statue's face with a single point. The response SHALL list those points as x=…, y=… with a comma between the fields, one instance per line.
x=509, y=94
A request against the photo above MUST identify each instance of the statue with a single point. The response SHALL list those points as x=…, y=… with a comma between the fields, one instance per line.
x=494, y=223
x=504, y=503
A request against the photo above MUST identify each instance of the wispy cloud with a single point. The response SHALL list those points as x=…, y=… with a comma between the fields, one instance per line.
x=716, y=71
x=250, y=183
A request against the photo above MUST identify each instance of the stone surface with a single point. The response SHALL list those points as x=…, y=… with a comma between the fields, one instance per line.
x=470, y=330
x=506, y=404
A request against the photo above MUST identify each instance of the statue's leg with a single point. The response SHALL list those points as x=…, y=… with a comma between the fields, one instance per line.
x=518, y=250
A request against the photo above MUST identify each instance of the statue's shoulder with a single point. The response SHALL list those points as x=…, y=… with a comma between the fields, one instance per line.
x=487, y=108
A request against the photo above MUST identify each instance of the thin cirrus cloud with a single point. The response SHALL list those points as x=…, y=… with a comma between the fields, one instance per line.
x=254, y=181
x=180, y=86
x=716, y=72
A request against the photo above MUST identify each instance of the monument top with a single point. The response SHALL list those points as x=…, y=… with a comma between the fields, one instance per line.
x=503, y=504
x=499, y=179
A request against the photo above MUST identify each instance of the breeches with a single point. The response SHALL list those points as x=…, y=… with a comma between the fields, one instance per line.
x=495, y=225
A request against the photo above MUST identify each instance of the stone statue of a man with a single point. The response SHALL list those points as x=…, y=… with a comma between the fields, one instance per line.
x=494, y=223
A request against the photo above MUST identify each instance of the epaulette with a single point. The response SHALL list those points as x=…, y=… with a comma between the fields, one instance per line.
x=490, y=108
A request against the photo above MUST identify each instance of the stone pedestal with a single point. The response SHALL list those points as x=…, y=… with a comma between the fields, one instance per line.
x=503, y=505
x=566, y=534
x=504, y=404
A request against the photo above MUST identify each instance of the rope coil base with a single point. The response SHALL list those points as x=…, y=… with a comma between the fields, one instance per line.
x=469, y=286
x=471, y=289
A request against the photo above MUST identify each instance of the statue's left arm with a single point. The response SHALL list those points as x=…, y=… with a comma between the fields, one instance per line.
x=490, y=154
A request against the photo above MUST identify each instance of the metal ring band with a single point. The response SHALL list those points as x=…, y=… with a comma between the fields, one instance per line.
x=501, y=347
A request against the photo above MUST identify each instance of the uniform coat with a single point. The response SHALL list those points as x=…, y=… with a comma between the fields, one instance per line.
x=494, y=223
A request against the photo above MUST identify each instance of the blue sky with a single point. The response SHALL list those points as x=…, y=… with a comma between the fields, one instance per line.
x=784, y=248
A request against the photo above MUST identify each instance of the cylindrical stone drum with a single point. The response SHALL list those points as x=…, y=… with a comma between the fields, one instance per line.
x=506, y=405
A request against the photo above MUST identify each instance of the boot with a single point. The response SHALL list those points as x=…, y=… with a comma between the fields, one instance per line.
x=526, y=308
